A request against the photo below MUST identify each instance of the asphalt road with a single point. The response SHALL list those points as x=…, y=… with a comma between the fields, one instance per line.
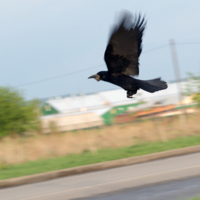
x=176, y=190
x=140, y=180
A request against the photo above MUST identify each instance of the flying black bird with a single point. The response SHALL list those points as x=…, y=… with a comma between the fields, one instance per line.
x=122, y=55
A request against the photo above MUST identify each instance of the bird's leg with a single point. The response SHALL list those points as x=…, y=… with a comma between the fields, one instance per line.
x=130, y=93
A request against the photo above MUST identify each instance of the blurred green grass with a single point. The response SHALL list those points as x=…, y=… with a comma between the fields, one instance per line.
x=196, y=198
x=87, y=157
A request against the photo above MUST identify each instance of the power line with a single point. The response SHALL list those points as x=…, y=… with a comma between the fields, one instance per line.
x=55, y=77
x=180, y=43
x=76, y=72
x=156, y=48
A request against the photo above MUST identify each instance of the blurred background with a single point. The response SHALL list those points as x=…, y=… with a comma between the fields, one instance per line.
x=48, y=107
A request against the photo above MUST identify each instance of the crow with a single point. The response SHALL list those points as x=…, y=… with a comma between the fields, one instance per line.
x=122, y=57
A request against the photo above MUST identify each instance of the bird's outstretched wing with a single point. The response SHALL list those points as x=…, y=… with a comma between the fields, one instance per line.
x=124, y=46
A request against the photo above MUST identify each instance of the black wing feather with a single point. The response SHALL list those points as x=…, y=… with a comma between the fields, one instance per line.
x=124, y=46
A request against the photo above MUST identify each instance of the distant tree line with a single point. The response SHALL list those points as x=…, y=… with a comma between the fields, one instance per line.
x=193, y=87
x=17, y=116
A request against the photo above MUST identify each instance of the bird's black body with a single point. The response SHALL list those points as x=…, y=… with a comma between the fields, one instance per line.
x=126, y=82
x=122, y=55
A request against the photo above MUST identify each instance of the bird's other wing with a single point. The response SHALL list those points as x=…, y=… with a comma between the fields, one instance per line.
x=124, y=46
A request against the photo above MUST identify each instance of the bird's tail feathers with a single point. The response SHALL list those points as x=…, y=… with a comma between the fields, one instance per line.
x=152, y=85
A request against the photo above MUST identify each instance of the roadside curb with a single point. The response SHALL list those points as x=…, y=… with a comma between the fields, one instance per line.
x=95, y=167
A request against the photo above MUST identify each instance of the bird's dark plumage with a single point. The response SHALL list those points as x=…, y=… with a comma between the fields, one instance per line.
x=122, y=57
x=124, y=46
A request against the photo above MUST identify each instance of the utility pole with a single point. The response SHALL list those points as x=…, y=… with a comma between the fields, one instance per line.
x=176, y=67
x=177, y=75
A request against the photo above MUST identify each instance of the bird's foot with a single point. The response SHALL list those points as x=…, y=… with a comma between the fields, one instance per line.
x=130, y=94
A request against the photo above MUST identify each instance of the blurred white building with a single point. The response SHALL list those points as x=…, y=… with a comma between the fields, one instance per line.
x=95, y=109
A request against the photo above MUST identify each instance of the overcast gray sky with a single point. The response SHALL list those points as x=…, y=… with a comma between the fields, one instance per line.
x=42, y=39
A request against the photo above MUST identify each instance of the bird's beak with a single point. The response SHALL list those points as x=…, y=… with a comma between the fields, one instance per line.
x=93, y=76
x=96, y=76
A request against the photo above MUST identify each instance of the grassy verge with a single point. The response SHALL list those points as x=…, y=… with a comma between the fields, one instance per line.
x=74, y=160
x=15, y=150
x=197, y=198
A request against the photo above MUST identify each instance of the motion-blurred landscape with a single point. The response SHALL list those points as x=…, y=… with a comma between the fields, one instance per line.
x=78, y=124
x=52, y=117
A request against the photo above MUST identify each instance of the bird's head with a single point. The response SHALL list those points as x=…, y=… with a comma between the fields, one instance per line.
x=100, y=76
